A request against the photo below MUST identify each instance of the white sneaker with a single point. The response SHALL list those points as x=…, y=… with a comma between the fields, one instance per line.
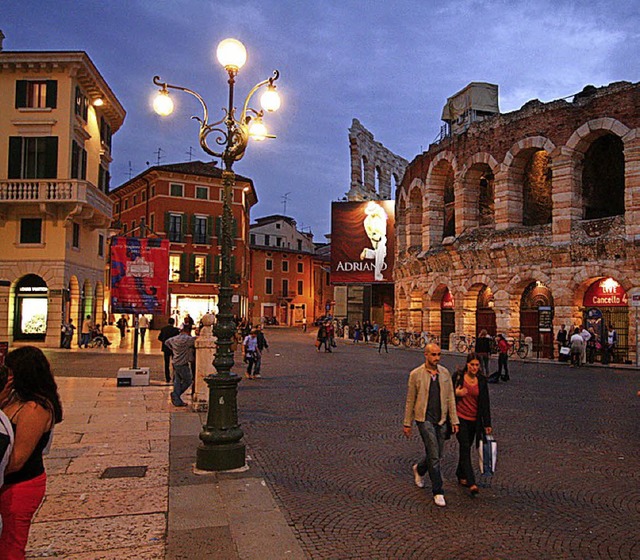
x=439, y=500
x=419, y=480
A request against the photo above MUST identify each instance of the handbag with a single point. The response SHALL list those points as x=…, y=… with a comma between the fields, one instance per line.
x=317, y=343
x=565, y=350
x=488, y=453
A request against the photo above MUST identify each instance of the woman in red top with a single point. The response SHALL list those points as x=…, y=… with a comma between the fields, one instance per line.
x=472, y=405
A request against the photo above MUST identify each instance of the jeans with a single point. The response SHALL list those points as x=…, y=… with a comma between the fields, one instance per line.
x=466, y=436
x=182, y=378
x=85, y=338
x=383, y=341
x=484, y=357
x=167, y=363
x=503, y=362
x=143, y=333
x=18, y=504
x=257, y=362
x=433, y=438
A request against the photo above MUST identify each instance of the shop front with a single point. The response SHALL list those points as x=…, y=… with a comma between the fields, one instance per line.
x=195, y=305
x=31, y=309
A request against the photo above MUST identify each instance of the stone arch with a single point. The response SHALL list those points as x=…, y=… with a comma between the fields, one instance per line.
x=474, y=288
x=86, y=302
x=476, y=197
x=441, y=198
x=401, y=219
x=402, y=307
x=600, y=168
x=372, y=165
x=524, y=189
x=414, y=215
x=99, y=313
x=74, y=311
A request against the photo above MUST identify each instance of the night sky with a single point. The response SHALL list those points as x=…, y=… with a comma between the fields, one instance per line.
x=390, y=64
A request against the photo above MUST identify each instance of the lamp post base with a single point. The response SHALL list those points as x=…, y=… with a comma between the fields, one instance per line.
x=224, y=457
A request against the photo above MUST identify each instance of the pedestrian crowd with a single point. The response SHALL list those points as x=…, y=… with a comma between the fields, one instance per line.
x=583, y=344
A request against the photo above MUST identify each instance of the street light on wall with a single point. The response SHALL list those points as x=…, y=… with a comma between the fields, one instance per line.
x=221, y=447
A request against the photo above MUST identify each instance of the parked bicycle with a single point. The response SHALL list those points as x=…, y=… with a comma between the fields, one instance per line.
x=399, y=337
x=466, y=343
x=519, y=347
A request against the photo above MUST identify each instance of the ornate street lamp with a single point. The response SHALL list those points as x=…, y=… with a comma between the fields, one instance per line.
x=221, y=447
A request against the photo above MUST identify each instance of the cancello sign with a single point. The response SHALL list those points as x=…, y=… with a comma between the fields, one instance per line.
x=606, y=293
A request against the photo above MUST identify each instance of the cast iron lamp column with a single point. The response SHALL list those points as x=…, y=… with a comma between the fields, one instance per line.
x=221, y=446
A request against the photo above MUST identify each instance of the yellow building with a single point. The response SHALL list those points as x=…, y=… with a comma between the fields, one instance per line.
x=57, y=115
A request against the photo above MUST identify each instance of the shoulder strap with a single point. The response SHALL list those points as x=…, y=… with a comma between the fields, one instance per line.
x=16, y=412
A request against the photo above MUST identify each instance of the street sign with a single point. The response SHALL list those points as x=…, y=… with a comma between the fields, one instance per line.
x=545, y=318
x=635, y=300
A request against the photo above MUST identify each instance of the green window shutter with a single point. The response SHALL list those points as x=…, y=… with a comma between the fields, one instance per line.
x=167, y=223
x=184, y=267
x=21, y=93
x=208, y=268
x=218, y=228
x=83, y=169
x=234, y=229
x=51, y=158
x=209, y=230
x=192, y=268
x=52, y=93
x=185, y=226
x=15, y=157
x=216, y=269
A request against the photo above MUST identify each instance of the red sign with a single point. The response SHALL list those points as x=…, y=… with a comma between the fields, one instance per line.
x=605, y=293
x=362, y=242
x=139, y=275
x=447, y=301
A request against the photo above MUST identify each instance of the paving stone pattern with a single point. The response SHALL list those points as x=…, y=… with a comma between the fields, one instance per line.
x=325, y=431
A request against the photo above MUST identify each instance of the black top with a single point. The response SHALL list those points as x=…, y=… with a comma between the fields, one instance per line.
x=167, y=332
x=34, y=465
x=434, y=408
x=483, y=345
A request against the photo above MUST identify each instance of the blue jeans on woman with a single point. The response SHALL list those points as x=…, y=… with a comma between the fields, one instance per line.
x=433, y=438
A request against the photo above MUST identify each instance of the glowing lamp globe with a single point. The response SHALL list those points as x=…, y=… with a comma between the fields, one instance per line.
x=163, y=104
x=270, y=100
x=257, y=130
x=231, y=54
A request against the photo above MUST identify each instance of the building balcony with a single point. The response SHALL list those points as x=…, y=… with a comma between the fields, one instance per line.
x=287, y=295
x=68, y=200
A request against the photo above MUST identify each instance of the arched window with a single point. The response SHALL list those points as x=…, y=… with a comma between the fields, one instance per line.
x=415, y=218
x=536, y=189
x=449, y=226
x=603, y=178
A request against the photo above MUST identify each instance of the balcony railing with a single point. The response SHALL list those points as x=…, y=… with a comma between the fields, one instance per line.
x=54, y=191
x=287, y=295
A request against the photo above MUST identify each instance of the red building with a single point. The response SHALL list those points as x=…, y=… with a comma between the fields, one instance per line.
x=290, y=278
x=183, y=202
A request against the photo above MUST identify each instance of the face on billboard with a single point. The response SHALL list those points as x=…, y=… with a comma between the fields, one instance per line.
x=362, y=241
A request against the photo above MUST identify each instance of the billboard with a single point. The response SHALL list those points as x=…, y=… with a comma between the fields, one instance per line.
x=139, y=275
x=362, y=242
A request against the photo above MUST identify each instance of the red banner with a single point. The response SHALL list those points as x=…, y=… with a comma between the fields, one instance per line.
x=605, y=293
x=139, y=275
x=362, y=242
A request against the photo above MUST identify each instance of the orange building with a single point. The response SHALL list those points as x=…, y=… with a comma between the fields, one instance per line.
x=183, y=202
x=290, y=279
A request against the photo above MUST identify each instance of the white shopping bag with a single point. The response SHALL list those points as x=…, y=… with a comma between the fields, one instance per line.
x=488, y=453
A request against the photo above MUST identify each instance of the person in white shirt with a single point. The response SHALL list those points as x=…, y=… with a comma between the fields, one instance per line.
x=143, y=325
x=577, y=347
x=251, y=352
x=586, y=335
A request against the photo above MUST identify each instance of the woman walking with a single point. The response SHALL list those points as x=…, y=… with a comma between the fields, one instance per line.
x=472, y=405
x=33, y=406
x=483, y=349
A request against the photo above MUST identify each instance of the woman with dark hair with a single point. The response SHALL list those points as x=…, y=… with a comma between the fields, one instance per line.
x=472, y=405
x=33, y=406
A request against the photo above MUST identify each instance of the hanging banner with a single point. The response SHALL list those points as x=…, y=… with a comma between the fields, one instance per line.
x=606, y=293
x=139, y=275
x=362, y=242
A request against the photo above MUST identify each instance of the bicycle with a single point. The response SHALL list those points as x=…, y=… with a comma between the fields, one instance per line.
x=414, y=339
x=399, y=337
x=467, y=343
x=519, y=347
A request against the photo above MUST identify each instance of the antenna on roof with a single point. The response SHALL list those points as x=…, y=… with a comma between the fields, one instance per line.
x=285, y=198
x=190, y=152
x=130, y=170
x=159, y=156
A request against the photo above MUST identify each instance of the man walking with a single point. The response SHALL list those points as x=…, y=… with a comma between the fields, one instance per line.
x=167, y=332
x=183, y=348
x=430, y=402
x=85, y=332
x=143, y=325
x=383, y=333
x=251, y=352
x=262, y=345
x=68, y=329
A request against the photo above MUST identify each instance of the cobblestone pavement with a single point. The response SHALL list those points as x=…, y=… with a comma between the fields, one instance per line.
x=325, y=430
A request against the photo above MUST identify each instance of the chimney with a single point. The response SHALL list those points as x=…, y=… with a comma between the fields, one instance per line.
x=2, y=37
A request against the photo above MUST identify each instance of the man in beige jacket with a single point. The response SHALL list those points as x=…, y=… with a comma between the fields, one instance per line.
x=430, y=401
